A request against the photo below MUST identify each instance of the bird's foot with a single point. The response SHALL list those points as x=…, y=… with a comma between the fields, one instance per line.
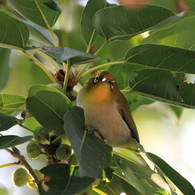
x=94, y=131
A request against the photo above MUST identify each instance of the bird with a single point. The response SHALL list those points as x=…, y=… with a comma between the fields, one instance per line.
x=107, y=111
x=108, y=115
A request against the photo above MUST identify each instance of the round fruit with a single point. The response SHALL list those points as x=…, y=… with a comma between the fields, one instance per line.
x=73, y=160
x=41, y=134
x=56, y=86
x=20, y=177
x=33, y=150
x=63, y=152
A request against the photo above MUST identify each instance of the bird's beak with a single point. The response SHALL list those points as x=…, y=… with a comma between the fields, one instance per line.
x=104, y=79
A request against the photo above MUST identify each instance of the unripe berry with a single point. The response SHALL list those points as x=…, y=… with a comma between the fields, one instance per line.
x=41, y=134
x=33, y=150
x=20, y=177
x=63, y=152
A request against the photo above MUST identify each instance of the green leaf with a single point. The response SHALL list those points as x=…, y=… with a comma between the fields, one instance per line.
x=137, y=175
x=36, y=11
x=6, y=122
x=119, y=23
x=118, y=185
x=4, y=66
x=76, y=57
x=48, y=105
x=93, y=154
x=39, y=35
x=162, y=57
x=12, y=140
x=87, y=29
x=135, y=101
x=65, y=180
x=163, y=86
x=180, y=34
x=173, y=175
x=13, y=33
x=10, y=102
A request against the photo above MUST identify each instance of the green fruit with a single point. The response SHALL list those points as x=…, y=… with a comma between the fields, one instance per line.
x=20, y=177
x=73, y=160
x=41, y=134
x=56, y=86
x=33, y=150
x=63, y=152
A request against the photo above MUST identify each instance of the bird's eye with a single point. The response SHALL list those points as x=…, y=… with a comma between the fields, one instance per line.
x=112, y=83
x=96, y=79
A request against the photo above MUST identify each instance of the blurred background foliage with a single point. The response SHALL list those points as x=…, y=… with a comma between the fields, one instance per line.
x=164, y=130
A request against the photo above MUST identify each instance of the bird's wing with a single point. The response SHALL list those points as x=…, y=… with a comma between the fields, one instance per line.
x=127, y=117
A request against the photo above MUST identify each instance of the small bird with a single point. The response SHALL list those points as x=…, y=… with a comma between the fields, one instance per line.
x=107, y=111
x=108, y=115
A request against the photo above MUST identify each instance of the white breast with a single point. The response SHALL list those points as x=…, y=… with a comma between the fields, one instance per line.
x=108, y=121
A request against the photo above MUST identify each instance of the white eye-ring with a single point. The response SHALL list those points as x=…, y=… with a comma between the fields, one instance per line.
x=96, y=79
x=112, y=83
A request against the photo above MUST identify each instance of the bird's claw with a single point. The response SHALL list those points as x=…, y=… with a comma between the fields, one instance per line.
x=96, y=132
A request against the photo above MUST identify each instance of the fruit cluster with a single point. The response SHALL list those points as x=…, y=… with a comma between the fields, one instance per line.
x=49, y=143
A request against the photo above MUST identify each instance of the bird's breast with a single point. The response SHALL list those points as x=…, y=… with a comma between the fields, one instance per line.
x=108, y=121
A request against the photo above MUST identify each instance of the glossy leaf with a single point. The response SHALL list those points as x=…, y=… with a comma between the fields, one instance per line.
x=36, y=11
x=39, y=35
x=76, y=57
x=13, y=140
x=48, y=106
x=4, y=66
x=177, y=179
x=180, y=34
x=163, y=86
x=119, y=23
x=10, y=101
x=87, y=29
x=13, y=33
x=65, y=180
x=162, y=57
x=93, y=154
x=6, y=122
x=138, y=176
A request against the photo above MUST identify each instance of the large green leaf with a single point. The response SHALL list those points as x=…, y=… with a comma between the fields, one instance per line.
x=119, y=23
x=176, y=178
x=180, y=34
x=36, y=11
x=163, y=86
x=13, y=33
x=138, y=176
x=12, y=140
x=87, y=29
x=93, y=154
x=4, y=66
x=76, y=57
x=8, y=101
x=48, y=106
x=6, y=122
x=162, y=57
x=39, y=35
x=65, y=180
